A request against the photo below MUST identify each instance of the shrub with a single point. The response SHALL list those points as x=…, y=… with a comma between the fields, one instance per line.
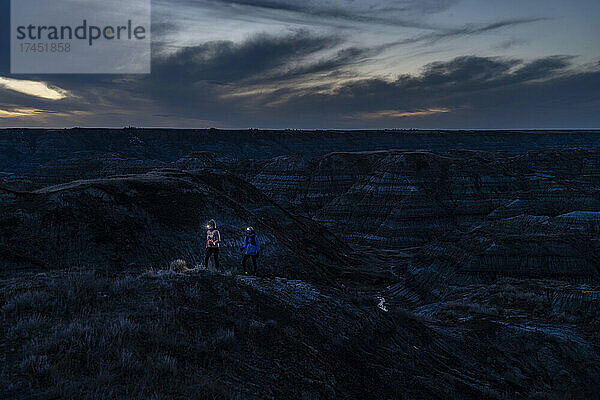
x=178, y=265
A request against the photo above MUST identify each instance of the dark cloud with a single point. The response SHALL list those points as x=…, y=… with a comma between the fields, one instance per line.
x=473, y=92
x=227, y=62
x=193, y=78
x=542, y=68
x=200, y=83
x=479, y=92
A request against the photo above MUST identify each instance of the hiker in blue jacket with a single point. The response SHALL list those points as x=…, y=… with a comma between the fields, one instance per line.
x=251, y=249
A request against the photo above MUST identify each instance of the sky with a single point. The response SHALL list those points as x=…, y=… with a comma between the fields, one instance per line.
x=340, y=64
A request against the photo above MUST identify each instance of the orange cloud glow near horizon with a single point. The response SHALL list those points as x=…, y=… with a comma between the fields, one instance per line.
x=402, y=114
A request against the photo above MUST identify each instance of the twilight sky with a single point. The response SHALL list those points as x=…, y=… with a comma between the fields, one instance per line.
x=336, y=64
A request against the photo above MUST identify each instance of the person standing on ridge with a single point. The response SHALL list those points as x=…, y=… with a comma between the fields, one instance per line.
x=213, y=239
x=251, y=249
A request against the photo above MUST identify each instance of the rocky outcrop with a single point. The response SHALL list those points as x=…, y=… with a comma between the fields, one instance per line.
x=405, y=198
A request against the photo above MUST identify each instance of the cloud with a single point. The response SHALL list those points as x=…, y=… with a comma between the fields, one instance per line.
x=464, y=92
x=307, y=79
x=543, y=68
x=403, y=13
x=343, y=59
x=190, y=82
x=335, y=73
x=480, y=92
x=467, y=30
x=28, y=112
x=18, y=112
x=226, y=62
x=401, y=114
x=34, y=88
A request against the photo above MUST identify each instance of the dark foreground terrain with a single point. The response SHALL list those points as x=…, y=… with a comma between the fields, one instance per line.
x=396, y=265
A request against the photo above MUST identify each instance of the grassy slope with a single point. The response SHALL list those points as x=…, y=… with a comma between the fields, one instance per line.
x=186, y=336
x=163, y=335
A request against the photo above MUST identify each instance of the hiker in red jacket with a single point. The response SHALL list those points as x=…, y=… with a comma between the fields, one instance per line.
x=213, y=239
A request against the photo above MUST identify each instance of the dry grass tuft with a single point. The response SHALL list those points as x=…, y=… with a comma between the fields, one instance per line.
x=178, y=265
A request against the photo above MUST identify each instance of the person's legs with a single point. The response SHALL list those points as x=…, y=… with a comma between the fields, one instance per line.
x=206, y=257
x=254, y=263
x=216, y=252
x=244, y=259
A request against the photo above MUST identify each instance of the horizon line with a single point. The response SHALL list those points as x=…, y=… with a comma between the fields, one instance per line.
x=313, y=129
